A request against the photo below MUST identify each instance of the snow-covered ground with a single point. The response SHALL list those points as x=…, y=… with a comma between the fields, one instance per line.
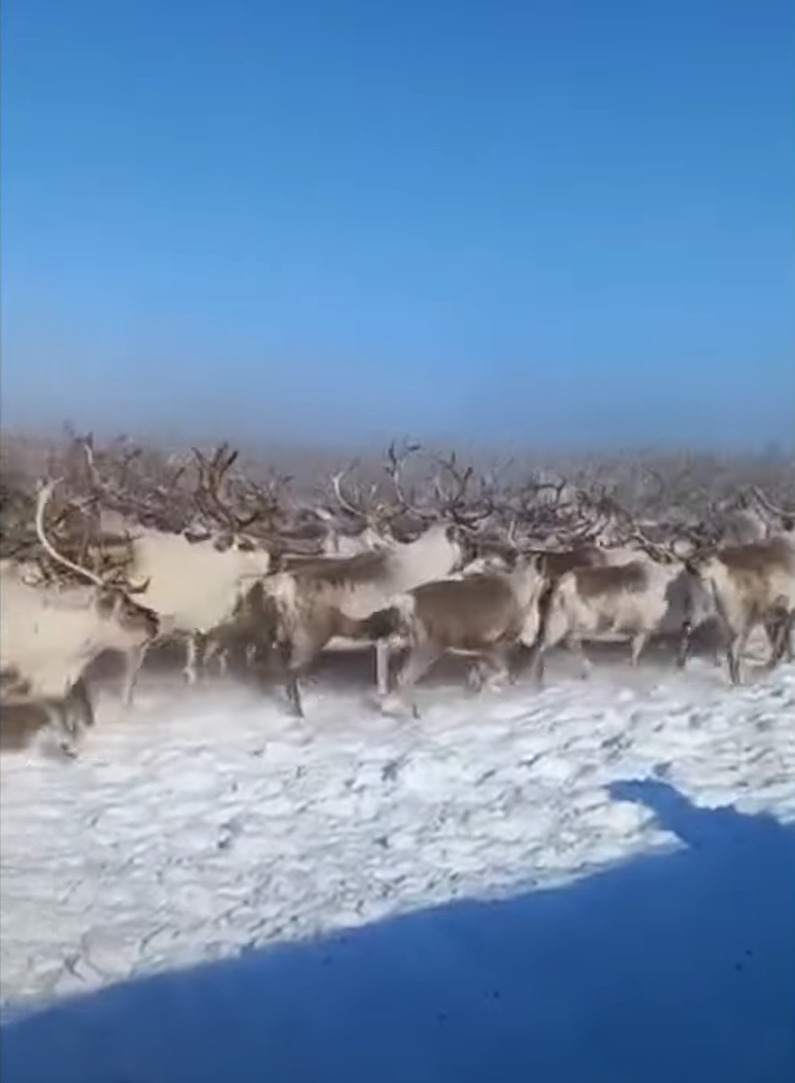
x=206, y=824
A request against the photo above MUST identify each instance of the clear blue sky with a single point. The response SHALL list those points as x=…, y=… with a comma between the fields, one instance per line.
x=569, y=221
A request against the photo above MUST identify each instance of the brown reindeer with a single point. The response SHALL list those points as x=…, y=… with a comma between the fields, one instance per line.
x=750, y=585
x=305, y=608
x=484, y=614
x=628, y=599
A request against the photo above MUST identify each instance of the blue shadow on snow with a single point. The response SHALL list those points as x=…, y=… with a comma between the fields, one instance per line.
x=669, y=968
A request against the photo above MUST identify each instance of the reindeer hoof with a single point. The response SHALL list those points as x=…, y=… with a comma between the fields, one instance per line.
x=474, y=680
x=60, y=749
x=394, y=706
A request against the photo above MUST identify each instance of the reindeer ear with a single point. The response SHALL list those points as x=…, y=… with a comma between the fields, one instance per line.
x=452, y=533
x=788, y=523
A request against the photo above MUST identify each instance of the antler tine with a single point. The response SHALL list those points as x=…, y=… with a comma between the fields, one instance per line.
x=452, y=502
x=211, y=478
x=766, y=502
x=207, y=489
x=45, y=491
x=223, y=458
x=87, y=444
x=344, y=502
x=656, y=551
x=394, y=468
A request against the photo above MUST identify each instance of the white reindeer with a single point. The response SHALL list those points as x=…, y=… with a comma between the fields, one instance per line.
x=49, y=635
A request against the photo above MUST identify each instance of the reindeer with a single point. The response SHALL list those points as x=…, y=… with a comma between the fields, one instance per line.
x=49, y=636
x=318, y=600
x=750, y=585
x=482, y=614
x=310, y=605
x=197, y=584
x=626, y=599
x=193, y=582
x=741, y=536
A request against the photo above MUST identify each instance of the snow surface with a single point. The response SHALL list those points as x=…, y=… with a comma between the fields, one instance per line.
x=208, y=825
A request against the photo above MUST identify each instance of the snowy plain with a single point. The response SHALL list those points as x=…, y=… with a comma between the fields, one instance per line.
x=534, y=847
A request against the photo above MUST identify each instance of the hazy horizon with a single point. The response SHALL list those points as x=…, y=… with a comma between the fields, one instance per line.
x=565, y=228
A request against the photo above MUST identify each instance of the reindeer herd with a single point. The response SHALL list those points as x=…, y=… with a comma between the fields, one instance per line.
x=232, y=569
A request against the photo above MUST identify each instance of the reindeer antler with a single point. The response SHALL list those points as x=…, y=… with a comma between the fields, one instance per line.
x=212, y=473
x=394, y=468
x=765, y=502
x=453, y=502
x=353, y=505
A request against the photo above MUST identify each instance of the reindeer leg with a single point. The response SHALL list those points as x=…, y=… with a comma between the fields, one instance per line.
x=780, y=635
x=194, y=654
x=475, y=676
x=736, y=651
x=296, y=655
x=217, y=647
x=724, y=637
x=382, y=666
x=419, y=661
x=133, y=665
x=538, y=663
x=294, y=695
x=639, y=641
x=293, y=692
x=212, y=650
x=685, y=645
x=79, y=700
x=60, y=729
x=67, y=719
x=574, y=643
x=495, y=660
x=787, y=649
x=732, y=659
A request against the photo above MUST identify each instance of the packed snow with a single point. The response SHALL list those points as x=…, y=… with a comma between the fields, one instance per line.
x=205, y=824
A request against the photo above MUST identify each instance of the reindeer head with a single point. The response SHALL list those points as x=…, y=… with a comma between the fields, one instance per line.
x=113, y=604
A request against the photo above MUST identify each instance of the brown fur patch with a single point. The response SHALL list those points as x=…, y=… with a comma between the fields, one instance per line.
x=467, y=613
x=556, y=564
x=758, y=557
x=337, y=571
x=610, y=579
